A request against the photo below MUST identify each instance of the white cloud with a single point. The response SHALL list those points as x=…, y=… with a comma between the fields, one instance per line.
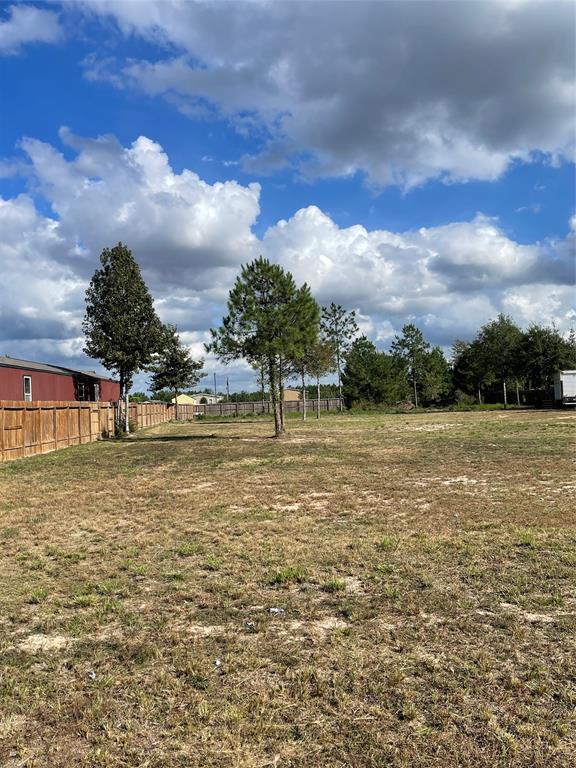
x=402, y=92
x=40, y=299
x=190, y=238
x=448, y=279
x=28, y=24
x=168, y=219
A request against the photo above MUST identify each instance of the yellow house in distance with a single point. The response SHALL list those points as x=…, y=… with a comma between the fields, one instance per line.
x=204, y=398
x=184, y=400
x=201, y=399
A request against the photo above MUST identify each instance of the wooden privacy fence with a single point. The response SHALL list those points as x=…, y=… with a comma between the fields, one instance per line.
x=290, y=406
x=27, y=429
x=39, y=427
x=150, y=414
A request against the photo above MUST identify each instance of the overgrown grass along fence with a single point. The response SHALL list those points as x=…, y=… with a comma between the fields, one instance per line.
x=27, y=429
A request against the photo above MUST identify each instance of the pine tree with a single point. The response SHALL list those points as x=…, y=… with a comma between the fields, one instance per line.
x=320, y=361
x=317, y=360
x=371, y=377
x=268, y=319
x=172, y=367
x=411, y=349
x=436, y=382
x=340, y=328
x=122, y=329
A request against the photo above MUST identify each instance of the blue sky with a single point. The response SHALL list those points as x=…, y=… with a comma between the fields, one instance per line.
x=414, y=162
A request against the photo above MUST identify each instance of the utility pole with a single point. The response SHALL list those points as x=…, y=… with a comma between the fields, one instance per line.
x=215, y=393
x=227, y=389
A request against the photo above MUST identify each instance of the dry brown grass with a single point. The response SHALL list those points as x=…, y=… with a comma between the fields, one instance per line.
x=422, y=568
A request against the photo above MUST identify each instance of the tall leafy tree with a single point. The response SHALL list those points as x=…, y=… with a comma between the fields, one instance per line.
x=121, y=327
x=340, y=328
x=436, y=381
x=542, y=352
x=412, y=350
x=173, y=367
x=498, y=347
x=269, y=318
x=468, y=374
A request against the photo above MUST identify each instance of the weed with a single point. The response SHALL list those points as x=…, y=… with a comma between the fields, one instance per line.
x=334, y=585
x=289, y=575
x=387, y=544
x=189, y=548
x=38, y=595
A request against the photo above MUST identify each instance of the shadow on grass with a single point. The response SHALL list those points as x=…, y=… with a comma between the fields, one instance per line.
x=185, y=438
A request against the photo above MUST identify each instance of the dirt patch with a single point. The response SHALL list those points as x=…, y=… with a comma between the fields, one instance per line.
x=286, y=507
x=205, y=630
x=353, y=585
x=316, y=628
x=44, y=643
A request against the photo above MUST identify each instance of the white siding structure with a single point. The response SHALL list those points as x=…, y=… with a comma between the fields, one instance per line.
x=565, y=387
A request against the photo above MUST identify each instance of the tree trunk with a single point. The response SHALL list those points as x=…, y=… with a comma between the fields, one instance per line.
x=415, y=391
x=505, y=394
x=317, y=397
x=262, y=376
x=517, y=394
x=274, y=397
x=303, y=398
x=119, y=404
x=127, y=412
x=479, y=396
x=176, y=405
x=281, y=392
x=339, y=378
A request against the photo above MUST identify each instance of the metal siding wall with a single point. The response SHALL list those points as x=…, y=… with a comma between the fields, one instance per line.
x=45, y=386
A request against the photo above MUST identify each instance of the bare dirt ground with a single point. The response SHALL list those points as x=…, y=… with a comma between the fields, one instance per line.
x=389, y=590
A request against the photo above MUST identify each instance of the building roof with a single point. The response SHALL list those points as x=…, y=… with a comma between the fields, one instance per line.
x=13, y=362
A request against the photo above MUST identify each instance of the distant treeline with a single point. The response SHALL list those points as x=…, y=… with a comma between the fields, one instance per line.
x=500, y=358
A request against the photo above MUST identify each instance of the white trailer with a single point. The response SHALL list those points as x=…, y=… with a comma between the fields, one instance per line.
x=565, y=388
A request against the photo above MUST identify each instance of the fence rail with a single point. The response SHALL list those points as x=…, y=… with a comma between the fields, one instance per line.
x=27, y=429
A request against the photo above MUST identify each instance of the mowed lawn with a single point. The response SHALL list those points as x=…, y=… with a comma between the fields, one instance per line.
x=387, y=590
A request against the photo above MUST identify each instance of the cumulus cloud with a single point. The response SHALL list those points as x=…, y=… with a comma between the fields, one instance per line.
x=40, y=299
x=401, y=92
x=169, y=219
x=448, y=279
x=190, y=238
x=28, y=24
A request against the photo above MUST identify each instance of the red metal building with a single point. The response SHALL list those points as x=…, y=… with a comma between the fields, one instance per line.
x=26, y=380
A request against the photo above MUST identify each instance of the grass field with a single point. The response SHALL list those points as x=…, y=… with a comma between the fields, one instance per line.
x=370, y=591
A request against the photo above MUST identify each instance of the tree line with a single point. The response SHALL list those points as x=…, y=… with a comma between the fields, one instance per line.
x=500, y=360
x=279, y=328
